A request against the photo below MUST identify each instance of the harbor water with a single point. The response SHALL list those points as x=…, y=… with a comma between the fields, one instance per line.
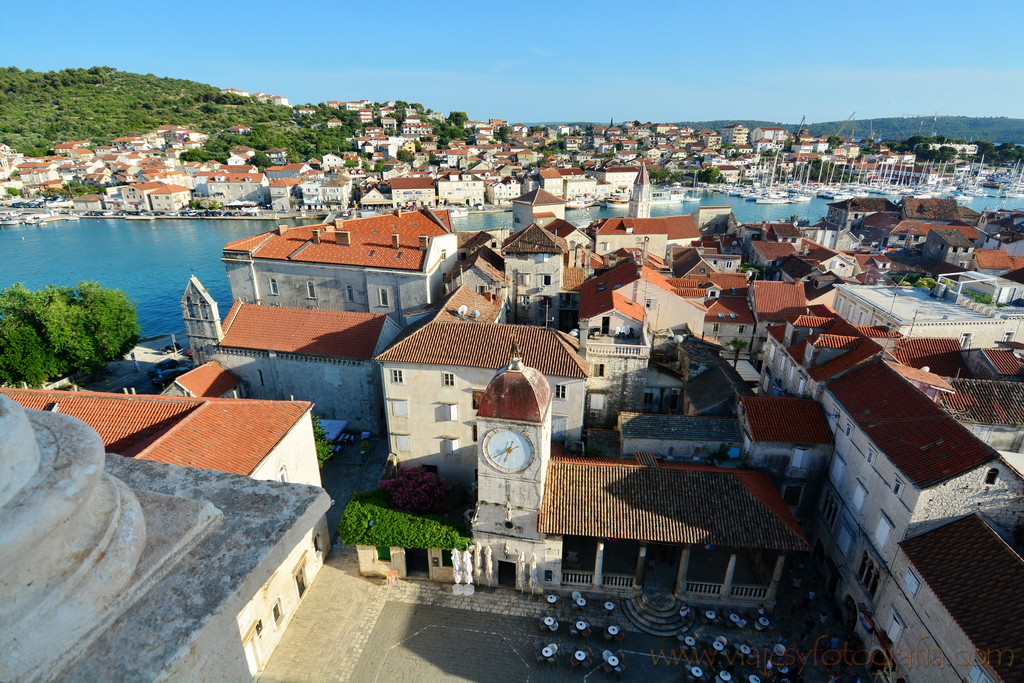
x=152, y=260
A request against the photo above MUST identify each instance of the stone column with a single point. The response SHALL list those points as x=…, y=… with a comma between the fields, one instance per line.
x=773, y=587
x=684, y=561
x=599, y=563
x=641, y=560
x=727, y=582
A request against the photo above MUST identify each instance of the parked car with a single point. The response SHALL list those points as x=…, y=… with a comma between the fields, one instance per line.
x=163, y=366
x=168, y=376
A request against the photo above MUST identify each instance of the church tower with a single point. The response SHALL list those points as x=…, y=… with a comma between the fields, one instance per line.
x=202, y=320
x=514, y=426
x=640, y=197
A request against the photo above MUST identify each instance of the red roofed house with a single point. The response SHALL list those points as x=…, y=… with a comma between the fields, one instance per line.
x=1000, y=363
x=658, y=235
x=270, y=440
x=387, y=264
x=901, y=466
x=210, y=380
x=772, y=302
x=790, y=438
x=325, y=357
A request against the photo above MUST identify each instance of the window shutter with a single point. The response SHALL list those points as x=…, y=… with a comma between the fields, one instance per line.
x=403, y=442
x=844, y=540
x=597, y=401
x=858, y=497
x=799, y=457
x=400, y=408
x=882, y=531
x=837, y=470
x=451, y=411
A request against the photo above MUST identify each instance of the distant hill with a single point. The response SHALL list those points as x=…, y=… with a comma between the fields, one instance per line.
x=99, y=104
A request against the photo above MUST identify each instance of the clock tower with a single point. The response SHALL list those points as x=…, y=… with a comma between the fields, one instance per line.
x=514, y=428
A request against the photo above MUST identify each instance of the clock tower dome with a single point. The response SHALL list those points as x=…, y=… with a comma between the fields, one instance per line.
x=514, y=428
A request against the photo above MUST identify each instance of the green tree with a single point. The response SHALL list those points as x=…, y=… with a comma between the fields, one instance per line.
x=261, y=161
x=323, y=446
x=61, y=330
x=710, y=175
x=405, y=155
x=737, y=345
x=458, y=118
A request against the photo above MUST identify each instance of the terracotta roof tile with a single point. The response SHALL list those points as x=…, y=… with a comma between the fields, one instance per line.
x=210, y=379
x=940, y=355
x=230, y=435
x=488, y=346
x=921, y=376
x=534, y=240
x=993, y=259
x=925, y=443
x=1004, y=361
x=774, y=300
x=538, y=197
x=299, y=330
x=786, y=420
x=985, y=598
x=673, y=227
x=773, y=251
x=985, y=401
x=674, y=503
x=730, y=306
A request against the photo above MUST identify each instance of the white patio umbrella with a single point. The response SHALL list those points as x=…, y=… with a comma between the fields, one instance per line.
x=521, y=569
x=457, y=565
x=489, y=564
x=533, y=573
x=467, y=566
x=477, y=559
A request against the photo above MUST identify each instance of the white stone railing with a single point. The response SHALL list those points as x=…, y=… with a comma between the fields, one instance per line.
x=617, y=580
x=740, y=591
x=639, y=350
x=703, y=588
x=578, y=578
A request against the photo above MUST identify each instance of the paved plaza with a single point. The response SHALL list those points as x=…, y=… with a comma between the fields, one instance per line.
x=351, y=628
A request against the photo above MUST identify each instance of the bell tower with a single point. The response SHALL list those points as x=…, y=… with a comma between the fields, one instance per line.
x=514, y=425
x=202, y=320
x=640, y=197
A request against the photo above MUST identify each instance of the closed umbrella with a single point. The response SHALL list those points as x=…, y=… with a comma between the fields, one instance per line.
x=477, y=558
x=467, y=566
x=489, y=564
x=457, y=565
x=533, y=573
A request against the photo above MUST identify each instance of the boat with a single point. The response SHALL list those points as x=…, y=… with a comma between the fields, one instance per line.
x=579, y=203
x=616, y=201
x=663, y=197
x=10, y=221
x=458, y=211
x=140, y=217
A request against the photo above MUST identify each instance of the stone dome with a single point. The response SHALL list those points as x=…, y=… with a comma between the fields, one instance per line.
x=516, y=393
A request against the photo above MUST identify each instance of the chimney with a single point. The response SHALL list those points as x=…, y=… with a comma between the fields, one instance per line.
x=398, y=212
x=316, y=236
x=343, y=238
x=394, y=240
x=584, y=332
x=424, y=242
x=282, y=229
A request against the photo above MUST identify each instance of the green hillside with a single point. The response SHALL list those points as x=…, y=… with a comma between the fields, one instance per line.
x=99, y=104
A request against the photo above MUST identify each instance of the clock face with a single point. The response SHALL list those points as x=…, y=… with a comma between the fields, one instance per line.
x=508, y=450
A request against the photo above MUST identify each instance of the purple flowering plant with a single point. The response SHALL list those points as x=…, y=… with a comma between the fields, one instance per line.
x=416, y=490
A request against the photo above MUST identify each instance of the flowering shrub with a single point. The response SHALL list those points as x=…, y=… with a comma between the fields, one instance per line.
x=416, y=490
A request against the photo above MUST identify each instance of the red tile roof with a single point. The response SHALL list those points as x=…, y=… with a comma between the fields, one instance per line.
x=773, y=251
x=299, y=330
x=487, y=345
x=925, y=443
x=210, y=379
x=775, y=301
x=993, y=259
x=979, y=579
x=673, y=227
x=1004, y=361
x=534, y=240
x=986, y=401
x=230, y=435
x=940, y=355
x=786, y=420
x=920, y=376
x=674, y=503
x=729, y=306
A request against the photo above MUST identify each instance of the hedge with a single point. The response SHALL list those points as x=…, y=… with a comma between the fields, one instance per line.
x=394, y=528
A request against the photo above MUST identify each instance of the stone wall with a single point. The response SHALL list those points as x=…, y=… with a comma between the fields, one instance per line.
x=294, y=458
x=622, y=387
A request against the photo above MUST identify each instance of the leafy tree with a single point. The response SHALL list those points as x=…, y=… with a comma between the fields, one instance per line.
x=926, y=283
x=416, y=490
x=405, y=155
x=60, y=330
x=458, y=118
x=710, y=175
x=323, y=446
x=261, y=161
x=503, y=132
x=13, y=191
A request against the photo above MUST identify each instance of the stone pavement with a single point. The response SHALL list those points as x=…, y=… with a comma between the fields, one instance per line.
x=351, y=628
x=123, y=374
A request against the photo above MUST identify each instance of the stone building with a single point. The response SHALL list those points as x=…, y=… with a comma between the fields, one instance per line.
x=325, y=357
x=533, y=266
x=901, y=466
x=992, y=410
x=434, y=377
x=948, y=246
x=386, y=264
x=526, y=208
x=125, y=540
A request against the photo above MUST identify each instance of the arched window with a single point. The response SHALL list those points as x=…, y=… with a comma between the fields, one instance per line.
x=191, y=307
x=991, y=476
x=204, y=310
x=351, y=294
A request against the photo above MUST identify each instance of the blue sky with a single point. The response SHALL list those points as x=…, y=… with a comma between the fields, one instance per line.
x=555, y=61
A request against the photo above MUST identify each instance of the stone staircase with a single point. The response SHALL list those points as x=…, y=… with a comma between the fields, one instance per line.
x=656, y=614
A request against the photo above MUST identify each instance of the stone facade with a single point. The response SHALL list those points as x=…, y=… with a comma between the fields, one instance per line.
x=618, y=378
x=536, y=280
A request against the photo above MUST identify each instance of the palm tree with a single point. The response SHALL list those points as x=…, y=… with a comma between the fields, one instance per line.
x=737, y=345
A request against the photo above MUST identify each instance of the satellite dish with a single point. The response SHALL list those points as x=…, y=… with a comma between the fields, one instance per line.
x=463, y=309
x=679, y=339
x=575, y=333
x=476, y=312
